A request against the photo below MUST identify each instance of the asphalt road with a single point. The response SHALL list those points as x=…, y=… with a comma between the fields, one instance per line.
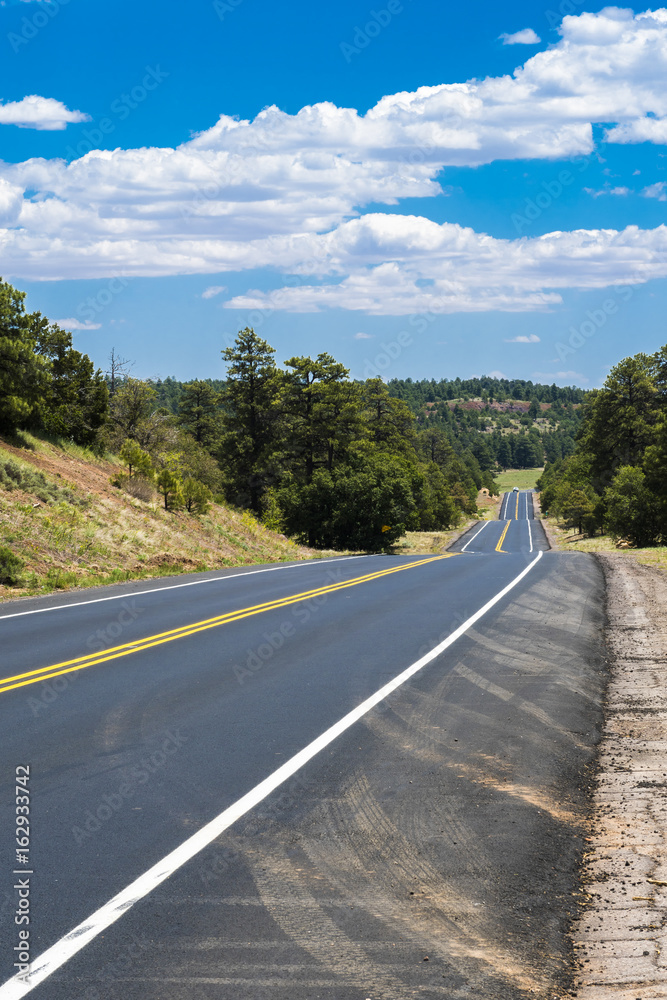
x=430, y=849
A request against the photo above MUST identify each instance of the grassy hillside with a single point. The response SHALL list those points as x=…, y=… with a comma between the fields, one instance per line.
x=62, y=525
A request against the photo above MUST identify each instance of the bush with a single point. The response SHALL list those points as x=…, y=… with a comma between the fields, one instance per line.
x=10, y=567
x=633, y=510
x=359, y=509
x=196, y=496
x=13, y=477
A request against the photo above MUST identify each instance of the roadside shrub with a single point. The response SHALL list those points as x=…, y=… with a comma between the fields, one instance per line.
x=196, y=496
x=15, y=477
x=633, y=510
x=10, y=567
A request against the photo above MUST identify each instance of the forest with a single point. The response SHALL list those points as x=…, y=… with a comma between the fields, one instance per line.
x=615, y=480
x=325, y=459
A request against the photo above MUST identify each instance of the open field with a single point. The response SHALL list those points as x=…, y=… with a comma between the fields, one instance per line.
x=525, y=479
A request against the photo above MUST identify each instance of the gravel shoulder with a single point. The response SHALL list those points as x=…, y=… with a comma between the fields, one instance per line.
x=621, y=936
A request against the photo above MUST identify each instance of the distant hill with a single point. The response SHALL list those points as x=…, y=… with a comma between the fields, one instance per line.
x=510, y=423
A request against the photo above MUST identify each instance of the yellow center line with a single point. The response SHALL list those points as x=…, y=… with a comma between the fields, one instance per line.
x=116, y=652
x=499, y=546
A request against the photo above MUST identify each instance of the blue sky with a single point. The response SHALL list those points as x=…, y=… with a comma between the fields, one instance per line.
x=494, y=202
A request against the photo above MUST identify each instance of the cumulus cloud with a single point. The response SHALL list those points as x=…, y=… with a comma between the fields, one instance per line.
x=497, y=374
x=524, y=37
x=213, y=290
x=656, y=191
x=363, y=336
x=532, y=338
x=42, y=113
x=76, y=324
x=397, y=265
x=286, y=191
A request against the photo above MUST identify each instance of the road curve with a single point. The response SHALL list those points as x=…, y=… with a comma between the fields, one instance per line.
x=425, y=847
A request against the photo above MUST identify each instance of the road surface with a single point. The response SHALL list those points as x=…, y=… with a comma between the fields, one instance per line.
x=347, y=779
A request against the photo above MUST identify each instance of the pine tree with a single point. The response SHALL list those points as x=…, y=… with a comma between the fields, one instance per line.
x=199, y=410
x=249, y=419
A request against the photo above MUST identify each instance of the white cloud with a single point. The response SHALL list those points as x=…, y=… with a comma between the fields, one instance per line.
x=618, y=191
x=656, y=191
x=363, y=336
x=496, y=374
x=42, y=113
x=397, y=265
x=524, y=37
x=532, y=338
x=285, y=191
x=561, y=376
x=76, y=324
x=213, y=290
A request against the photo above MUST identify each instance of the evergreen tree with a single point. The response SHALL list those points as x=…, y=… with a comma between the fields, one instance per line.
x=249, y=419
x=319, y=406
x=23, y=372
x=198, y=411
x=620, y=418
x=76, y=401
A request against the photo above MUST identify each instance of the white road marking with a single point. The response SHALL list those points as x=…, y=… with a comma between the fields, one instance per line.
x=530, y=535
x=474, y=536
x=177, y=586
x=68, y=946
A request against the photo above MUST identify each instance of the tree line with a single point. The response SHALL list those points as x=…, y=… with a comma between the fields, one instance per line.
x=44, y=383
x=486, y=388
x=615, y=480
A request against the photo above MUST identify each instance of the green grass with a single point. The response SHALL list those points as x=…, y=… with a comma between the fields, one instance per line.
x=525, y=479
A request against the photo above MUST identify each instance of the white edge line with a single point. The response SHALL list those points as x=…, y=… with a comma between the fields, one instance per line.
x=474, y=536
x=176, y=586
x=68, y=946
x=530, y=534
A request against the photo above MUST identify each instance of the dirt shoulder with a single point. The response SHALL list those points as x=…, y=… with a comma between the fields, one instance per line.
x=621, y=938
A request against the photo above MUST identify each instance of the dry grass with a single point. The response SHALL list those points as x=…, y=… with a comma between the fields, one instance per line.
x=113, y=536
x=567, y=540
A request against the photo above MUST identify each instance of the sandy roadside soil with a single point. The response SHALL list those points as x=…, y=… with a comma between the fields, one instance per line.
x=621, y=937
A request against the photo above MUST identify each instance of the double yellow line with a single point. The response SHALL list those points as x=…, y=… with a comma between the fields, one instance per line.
x=115, y=652
x=499, y=546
